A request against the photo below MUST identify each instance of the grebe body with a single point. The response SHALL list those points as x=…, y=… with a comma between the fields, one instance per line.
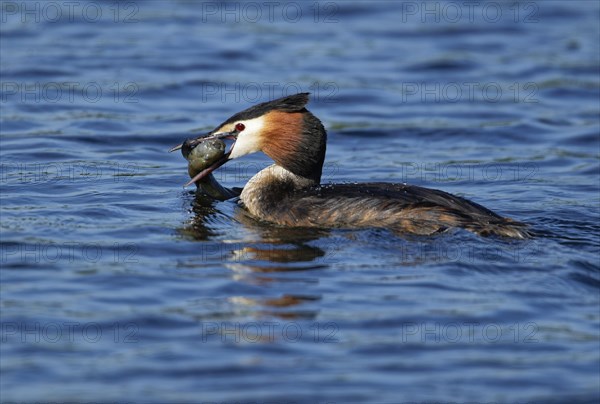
x=289, y=193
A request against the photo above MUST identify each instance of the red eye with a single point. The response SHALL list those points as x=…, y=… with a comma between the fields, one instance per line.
x=240, y=127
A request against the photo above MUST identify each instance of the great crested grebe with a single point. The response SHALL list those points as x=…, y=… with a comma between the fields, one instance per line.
x=288, y=193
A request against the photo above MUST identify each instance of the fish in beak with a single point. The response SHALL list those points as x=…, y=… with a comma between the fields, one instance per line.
x=192, y=144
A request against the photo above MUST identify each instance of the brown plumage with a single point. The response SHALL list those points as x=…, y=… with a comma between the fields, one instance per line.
x=288, y=138
x=279, y=138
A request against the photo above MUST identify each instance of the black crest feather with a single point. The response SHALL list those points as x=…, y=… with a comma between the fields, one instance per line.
x=291, y=103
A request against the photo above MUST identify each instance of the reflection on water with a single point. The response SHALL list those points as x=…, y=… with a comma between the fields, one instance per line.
x=263, y=252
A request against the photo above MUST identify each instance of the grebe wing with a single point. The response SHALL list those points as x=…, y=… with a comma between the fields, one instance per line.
x=401, y=194
x=403, y=208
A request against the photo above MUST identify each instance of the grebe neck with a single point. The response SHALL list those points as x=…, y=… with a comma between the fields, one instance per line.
x=269, y=186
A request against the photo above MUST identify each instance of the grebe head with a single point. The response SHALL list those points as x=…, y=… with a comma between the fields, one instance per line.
x=283, y=129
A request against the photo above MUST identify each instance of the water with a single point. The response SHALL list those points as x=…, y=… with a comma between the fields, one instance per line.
x=120, y=285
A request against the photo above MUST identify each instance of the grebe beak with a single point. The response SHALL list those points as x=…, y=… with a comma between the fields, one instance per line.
x=187, y=146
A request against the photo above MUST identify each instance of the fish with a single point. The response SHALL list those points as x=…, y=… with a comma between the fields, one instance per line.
x=204, y=155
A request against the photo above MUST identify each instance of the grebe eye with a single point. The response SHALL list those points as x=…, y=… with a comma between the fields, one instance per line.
x=240, y=127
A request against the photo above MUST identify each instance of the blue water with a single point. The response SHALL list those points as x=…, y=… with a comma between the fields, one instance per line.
x=117, y=284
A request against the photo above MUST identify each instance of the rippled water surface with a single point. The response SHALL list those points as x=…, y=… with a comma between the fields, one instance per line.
x=120, y=285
